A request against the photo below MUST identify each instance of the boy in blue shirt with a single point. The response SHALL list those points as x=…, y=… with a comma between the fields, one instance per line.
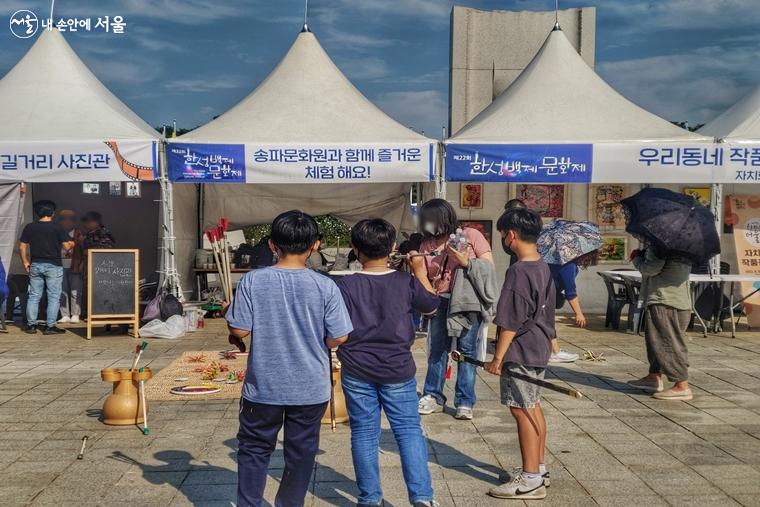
x=377, y=364
x=293, y=315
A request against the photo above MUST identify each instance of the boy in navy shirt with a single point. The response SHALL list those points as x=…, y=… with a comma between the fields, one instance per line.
x=525, y=315
x=377, y=365
x=293, y=315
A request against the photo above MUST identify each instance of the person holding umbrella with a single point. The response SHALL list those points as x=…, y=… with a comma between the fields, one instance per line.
x=676, y=232
x=568, y=247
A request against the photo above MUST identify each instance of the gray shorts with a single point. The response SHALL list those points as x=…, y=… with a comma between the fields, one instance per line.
x=519, y=393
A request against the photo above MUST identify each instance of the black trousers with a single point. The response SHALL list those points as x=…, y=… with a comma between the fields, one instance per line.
x=257, y=438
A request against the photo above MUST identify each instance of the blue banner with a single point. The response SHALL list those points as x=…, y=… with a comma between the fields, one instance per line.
x=520, y=163
x=206, y=163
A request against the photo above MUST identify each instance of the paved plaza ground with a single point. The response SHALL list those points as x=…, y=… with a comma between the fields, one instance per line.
x=616, y=447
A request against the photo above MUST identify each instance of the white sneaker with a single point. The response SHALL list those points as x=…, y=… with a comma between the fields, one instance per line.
x=74, y=319
x=428, y=405
x=563, y=356
x=518, y=488
x=506, y=476
x=64, y=320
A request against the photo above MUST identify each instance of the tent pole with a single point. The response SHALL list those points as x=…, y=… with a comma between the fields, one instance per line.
x=170, y=274
x=716, y=203
x=440, y=183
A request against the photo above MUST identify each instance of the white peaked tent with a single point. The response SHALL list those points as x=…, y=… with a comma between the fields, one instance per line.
x=740, y=123
x=306, y=126
x=59, y=123
x=560, y=122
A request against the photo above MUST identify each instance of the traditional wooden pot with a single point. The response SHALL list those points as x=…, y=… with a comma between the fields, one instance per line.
x=341, y=413
x=122, y=407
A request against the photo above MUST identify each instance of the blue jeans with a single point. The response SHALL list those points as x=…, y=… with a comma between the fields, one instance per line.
x=438, y=360
x=399, y=401
x=43, y=275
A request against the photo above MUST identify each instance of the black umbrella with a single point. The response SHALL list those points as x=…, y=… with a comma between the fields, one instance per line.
x=675, y=224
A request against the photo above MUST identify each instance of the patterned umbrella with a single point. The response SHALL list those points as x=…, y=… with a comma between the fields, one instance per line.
x=675, y=224
x=562, y=241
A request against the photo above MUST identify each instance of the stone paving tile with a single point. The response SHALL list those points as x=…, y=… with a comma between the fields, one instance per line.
x=616, y=447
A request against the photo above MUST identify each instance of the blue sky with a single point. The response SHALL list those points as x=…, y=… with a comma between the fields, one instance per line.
x=193, y=59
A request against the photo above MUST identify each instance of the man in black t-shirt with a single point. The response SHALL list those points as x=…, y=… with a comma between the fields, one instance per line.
x=40, y=249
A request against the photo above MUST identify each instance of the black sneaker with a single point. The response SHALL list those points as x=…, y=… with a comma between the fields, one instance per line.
x=53, y=330
x=30, y=329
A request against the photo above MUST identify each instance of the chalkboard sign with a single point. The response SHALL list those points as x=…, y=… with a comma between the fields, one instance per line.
x=112, y=287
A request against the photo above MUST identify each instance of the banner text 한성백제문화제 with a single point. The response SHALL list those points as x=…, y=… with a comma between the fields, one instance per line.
x=604, y=163
x=307, y=163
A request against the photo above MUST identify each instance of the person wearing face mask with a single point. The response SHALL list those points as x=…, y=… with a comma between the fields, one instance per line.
x=464, y=279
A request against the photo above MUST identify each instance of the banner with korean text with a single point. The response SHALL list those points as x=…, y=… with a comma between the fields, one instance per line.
x=300, y=163
x=75, y=161
x=744, y=216
x=643, y=162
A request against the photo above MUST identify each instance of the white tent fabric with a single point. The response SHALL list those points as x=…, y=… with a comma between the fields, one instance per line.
x=51, y=95
x=559, y=98
x=740, y=123
x=306, y=101
x=560, y=108
x=56, y=116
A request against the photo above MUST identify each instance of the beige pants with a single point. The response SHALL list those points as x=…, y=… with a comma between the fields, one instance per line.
x=665, y=336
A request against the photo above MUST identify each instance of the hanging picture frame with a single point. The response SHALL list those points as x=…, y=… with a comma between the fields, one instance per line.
x=604, y=208
x=614, y=249
x=91, y=188
x=703, y=195
x=114, y=188
x=471, y=196
x=548, y=200
x=133, y=189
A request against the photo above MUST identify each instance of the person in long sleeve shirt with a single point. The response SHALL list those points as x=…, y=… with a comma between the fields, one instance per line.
x=665, y=292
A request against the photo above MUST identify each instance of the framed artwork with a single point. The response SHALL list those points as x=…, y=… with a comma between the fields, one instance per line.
x=91, y=188
x=614, y=250
x=114, y=188
x=484, y=226
x=471, y=196
x=547, y=200
x=133, y=188
x=703, y=195
x=605, y=209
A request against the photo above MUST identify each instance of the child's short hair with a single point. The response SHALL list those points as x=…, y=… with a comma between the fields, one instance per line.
x=294, y=232
x=441, y=215
x=514, y=204
x=373, y=238
x=525, y=222
x=44, y=208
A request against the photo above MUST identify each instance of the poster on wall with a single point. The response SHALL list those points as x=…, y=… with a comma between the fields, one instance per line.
x=471, y=196
x=546, y=200
x=614, y=250
x=703, y=195
x=485, y=227
x=605, y=209
x=745, y=217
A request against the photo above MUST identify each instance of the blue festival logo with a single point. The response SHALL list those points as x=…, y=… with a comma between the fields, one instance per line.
x=24, y=24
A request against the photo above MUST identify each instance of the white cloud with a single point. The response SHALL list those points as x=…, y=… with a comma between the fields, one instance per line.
x=694, y=86
x=422, y=110
x=364, y=68
x=428, y=10
x=644, y=15
x=201, y=85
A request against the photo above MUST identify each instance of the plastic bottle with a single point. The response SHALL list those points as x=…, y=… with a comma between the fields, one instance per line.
x=453, y=240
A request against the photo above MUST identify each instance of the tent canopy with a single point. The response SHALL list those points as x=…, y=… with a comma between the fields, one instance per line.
x=59, y=123
x=305, y=123
x=559, y=122
x=307, y=99
x=558, y=98
x=739, y=123
x=51, y=95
